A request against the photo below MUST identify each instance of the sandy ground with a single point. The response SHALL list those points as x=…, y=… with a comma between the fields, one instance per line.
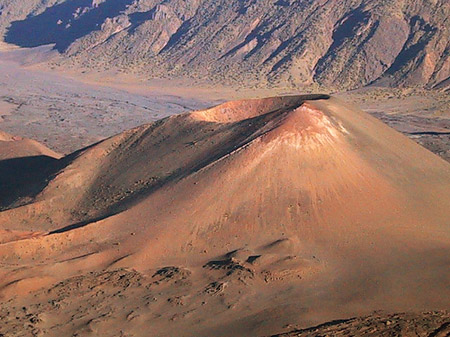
x=129, y=303
x=423, y=116
x=432, y=324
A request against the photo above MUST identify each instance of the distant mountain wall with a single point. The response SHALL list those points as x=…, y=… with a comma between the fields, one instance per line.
x=342, y=44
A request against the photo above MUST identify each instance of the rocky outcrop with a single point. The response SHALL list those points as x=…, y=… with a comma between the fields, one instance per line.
x=345, y=44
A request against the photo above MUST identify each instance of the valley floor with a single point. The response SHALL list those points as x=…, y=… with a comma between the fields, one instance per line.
x=66, y=110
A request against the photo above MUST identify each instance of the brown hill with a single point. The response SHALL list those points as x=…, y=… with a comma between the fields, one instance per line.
x=236, y=220
x=18, y=147
x=22, y=163
x=344, y=44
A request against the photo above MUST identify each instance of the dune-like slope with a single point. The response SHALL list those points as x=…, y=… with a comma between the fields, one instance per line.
x=18, y=147
x=247, y=217
x=23, y=166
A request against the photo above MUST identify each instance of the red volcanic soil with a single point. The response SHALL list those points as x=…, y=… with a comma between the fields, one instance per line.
x=237, y=220
x=17, y=147
x=21, y=161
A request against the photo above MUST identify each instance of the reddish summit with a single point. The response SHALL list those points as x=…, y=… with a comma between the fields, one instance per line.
x=252, y=212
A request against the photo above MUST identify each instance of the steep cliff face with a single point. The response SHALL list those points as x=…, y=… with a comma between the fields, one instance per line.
x=343, y=44
x=11, y=10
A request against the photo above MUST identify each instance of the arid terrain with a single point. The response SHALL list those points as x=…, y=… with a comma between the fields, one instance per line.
x=342, y=44
x=67, y=114
x=66, y=111
x=265, y=214
x=224, y=168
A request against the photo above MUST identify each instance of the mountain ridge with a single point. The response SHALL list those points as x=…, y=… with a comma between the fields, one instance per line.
x=282, y=43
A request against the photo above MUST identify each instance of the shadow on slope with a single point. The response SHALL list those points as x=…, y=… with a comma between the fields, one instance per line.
x=23, y=178
x=201, y=141
x=63, y=24
x=238, y=133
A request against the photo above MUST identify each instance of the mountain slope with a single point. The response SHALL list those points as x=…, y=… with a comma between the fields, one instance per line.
x=23, y=167
x=336, y=44
x=18, y=147
x=258, y=213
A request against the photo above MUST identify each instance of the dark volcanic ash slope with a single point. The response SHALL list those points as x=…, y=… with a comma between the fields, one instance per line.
x=343, y=44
